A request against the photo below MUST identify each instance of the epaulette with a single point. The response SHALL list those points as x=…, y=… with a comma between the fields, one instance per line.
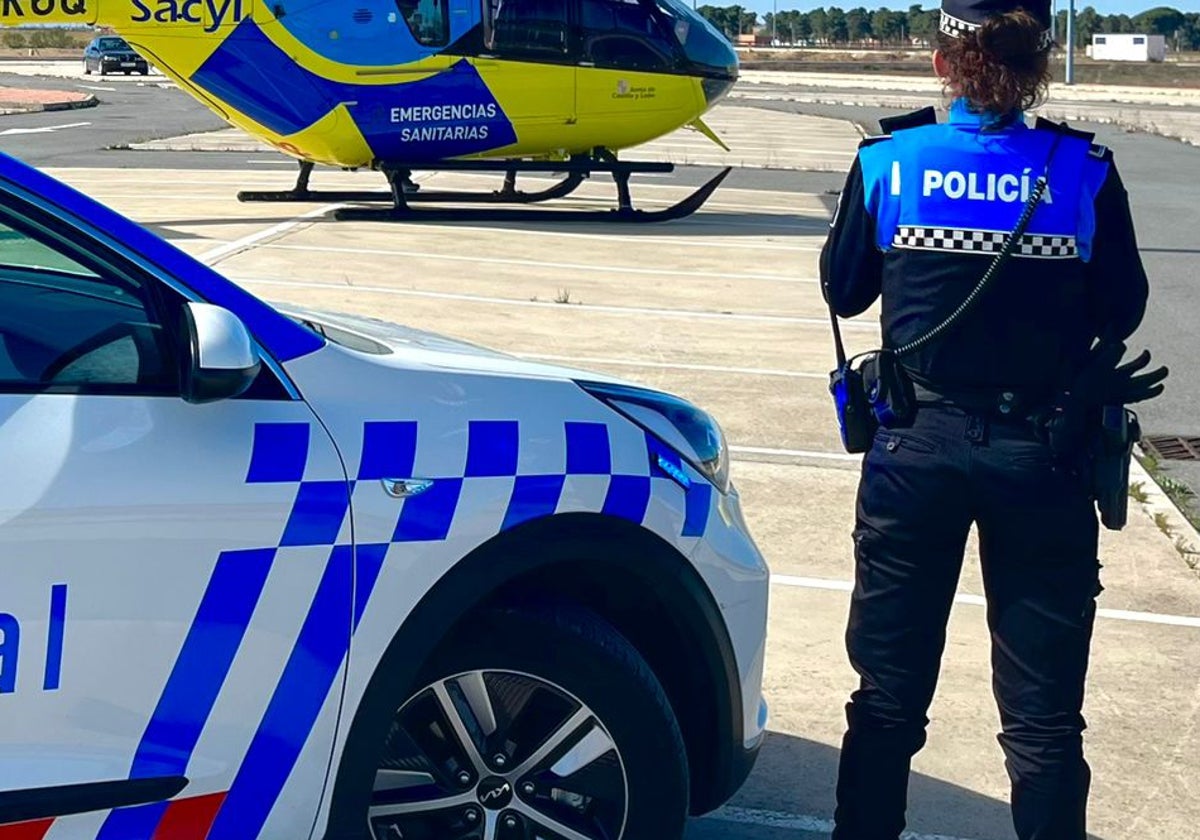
x=871, y=141
x=1062, y=128
x=925, y=116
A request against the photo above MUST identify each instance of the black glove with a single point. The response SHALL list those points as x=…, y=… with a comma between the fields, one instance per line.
x=1126, y=388
x=1103, y=381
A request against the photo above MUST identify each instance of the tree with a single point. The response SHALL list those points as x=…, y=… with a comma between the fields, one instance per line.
x=818, y=20
x=887, y=26
x=836, y=26
x=1159, y=21
x=1087, y=23
x=858, y=25
x=747, y=21
x=14, y=40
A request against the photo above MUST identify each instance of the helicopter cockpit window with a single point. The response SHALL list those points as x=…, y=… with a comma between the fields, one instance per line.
x=428, y=20
x=625, y=34
x=527, y=27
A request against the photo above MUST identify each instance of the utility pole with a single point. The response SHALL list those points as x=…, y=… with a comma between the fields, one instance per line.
x=774, y=15
x=1070, y=42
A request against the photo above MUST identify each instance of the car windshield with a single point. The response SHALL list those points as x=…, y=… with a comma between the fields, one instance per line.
x=113, y=44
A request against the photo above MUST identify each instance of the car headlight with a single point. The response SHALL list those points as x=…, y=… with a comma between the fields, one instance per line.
x=690, y=431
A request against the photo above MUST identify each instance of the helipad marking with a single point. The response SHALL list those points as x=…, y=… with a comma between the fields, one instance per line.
x=547, y=304
x=215, y=255
x=607, y=269
x=979, y=601
x=748, y=371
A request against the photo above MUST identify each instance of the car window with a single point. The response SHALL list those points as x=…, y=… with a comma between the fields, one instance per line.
x=428, y=20
x=113, y=44
x=64, y=326
x=624, y=34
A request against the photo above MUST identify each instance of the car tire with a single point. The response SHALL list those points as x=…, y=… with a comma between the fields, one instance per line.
x=87, y=68
x=102, y=71
x=619, y=770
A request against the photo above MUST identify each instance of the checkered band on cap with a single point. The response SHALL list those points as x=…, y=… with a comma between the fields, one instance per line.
x=956, y=27
x=1036, y=246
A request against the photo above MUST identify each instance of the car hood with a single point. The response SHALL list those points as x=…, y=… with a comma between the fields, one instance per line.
x=397, y=345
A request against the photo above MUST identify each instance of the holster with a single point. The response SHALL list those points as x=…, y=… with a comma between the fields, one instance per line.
x=855, y=420
x=1111, y=450
x=890, y=390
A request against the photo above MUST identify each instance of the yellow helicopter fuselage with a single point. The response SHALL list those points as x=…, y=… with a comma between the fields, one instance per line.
x=360, y=83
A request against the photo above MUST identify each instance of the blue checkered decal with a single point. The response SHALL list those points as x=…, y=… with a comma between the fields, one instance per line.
x=280, y=455
x=493, y=451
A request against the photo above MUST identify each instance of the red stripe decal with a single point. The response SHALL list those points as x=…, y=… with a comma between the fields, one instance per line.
x=35, y=830
x=187, y=819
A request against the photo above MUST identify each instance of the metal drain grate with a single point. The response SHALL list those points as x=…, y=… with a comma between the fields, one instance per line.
x=1173, y=447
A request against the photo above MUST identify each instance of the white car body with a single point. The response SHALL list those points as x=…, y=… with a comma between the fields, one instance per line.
x=203, y=593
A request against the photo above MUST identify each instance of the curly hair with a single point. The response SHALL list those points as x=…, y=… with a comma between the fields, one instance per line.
x=1001, y=67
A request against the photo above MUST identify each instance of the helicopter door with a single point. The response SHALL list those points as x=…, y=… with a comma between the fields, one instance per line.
x=627, y=39
x=528, y=61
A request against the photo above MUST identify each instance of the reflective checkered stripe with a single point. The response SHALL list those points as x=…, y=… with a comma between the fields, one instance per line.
x=956, y=27
x=320, y=519
x=1035, y=246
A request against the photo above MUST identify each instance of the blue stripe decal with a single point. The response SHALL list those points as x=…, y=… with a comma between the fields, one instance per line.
x=533, y=496
x=279, y=454
x=628, y=497
x=252, y=74
x=492, y=448
x=588, y=450
x=699, y=501
x=295, y=706
x=368, y=562
x=282, y=337
x=136, y=823
x=389, y=450
x=54, y=637
x=317, y=514
x=428, y=517
x=204, y=661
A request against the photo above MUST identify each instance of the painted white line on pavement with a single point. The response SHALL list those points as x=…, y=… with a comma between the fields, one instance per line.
x=749, y=371
x=608, y=269
x=647, y=239
x=799, y=822
x=794, y=453
x=979, y=601
x=221, y=252
x=569, y=307
x=97, y=87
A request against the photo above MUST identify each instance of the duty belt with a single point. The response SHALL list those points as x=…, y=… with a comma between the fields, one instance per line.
x=1014, y=405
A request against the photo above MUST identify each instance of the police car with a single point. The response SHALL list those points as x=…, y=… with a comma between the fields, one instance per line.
x=285, y=575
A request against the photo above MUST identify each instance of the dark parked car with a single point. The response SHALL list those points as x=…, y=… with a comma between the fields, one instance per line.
x=110, y=54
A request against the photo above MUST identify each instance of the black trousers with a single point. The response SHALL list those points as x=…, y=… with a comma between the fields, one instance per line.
x=922, y=489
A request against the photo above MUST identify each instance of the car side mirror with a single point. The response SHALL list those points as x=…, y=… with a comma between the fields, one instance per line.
x=220, y=360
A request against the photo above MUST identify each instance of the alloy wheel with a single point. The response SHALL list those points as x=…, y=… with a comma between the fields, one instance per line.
x=498, y=755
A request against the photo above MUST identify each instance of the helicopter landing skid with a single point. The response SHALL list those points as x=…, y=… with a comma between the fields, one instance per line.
x=403, y=193
x=508, y=194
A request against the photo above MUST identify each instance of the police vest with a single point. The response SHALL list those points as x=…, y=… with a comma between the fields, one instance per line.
x=960, y=186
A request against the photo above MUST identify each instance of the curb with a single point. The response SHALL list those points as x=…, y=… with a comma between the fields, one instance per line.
x=89, y=101
x=1158, y=503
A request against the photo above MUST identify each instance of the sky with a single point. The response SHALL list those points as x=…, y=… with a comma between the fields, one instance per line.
x=1104, y=7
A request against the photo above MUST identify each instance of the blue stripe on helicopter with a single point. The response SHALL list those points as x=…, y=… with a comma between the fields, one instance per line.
x=449, y=114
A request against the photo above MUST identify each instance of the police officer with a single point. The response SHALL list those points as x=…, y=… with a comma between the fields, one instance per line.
x=923, y=213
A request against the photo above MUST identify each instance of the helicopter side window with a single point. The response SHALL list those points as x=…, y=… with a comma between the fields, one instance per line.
x=625, y=35
x=428, y=20
x=533, y=28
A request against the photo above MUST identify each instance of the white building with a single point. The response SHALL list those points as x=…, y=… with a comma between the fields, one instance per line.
x=1128, y=48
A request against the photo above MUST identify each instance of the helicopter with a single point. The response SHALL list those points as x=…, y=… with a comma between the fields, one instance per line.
x=503, y=86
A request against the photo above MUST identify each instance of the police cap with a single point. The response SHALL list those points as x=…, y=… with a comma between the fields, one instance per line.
x=962, y=16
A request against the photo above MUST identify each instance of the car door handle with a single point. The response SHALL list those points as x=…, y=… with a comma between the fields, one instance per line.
x=404, y=488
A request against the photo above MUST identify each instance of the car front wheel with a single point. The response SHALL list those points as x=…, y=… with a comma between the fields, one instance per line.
x=87, y=68
x=545, y=725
